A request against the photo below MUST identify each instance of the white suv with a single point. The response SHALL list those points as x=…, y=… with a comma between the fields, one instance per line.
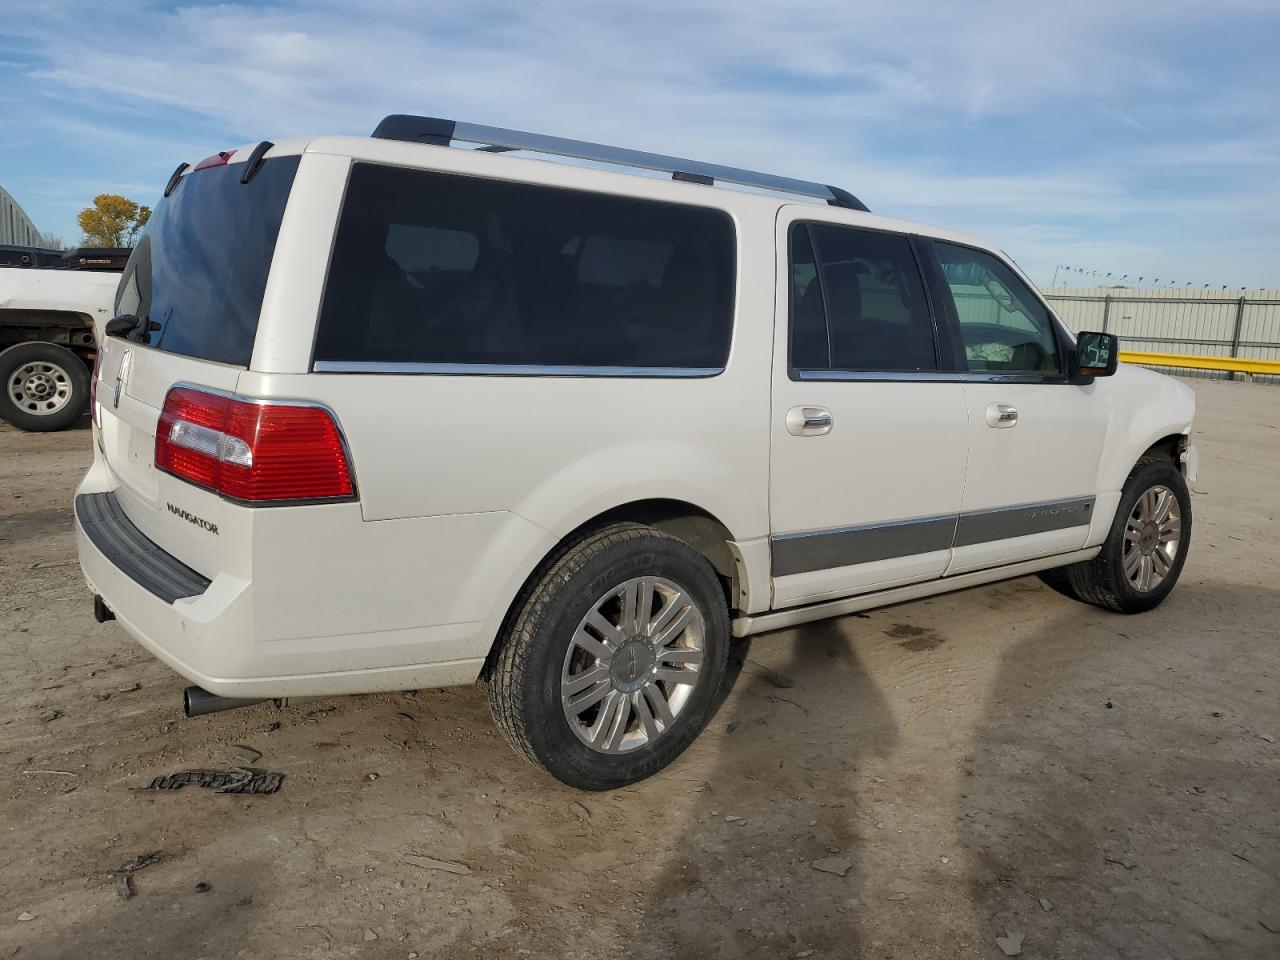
x=386, y=413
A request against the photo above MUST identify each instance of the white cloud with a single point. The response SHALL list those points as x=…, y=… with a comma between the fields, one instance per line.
x=933, y=109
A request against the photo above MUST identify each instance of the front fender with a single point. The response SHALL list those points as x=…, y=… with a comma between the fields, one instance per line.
x=1146, y=407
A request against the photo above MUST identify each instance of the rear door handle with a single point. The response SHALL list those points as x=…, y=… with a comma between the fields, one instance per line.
x=809, y=421
x=1002, y=415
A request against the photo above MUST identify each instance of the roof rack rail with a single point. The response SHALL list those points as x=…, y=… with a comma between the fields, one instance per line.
x=433, y=130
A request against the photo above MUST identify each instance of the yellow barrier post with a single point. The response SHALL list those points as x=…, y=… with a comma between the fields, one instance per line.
x=1269, y=368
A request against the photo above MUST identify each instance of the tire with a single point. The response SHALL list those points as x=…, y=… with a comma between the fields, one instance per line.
x=43, y=387
x=1105, y=581
x=548, y=643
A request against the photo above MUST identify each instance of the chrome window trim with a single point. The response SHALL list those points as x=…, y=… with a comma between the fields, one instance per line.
x=876, y=376
x=511, y=370
x=925, y=376
x=991, y=376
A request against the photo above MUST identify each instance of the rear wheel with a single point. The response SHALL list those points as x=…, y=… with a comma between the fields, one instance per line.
x=45, y=386
x=613, y=660
x=1142, y=557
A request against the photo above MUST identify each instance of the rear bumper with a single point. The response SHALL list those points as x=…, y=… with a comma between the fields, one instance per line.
x=211, y=637
x=107, y=527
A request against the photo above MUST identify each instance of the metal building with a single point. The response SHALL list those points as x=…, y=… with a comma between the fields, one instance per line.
x=15, y=226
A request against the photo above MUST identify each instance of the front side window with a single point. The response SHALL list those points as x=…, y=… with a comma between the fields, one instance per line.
x=857, y=302
x=436, y=268
x=1004, y=326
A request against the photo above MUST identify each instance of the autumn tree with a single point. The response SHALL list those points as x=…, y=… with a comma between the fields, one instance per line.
x=112, y=221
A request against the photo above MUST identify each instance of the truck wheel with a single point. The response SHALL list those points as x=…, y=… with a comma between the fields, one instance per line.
x=46, y=387
x=613, y=660
x=1143, y=554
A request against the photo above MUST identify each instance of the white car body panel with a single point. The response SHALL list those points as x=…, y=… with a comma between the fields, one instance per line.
x=86, y=292
x=895, y=451
x=1055, y=445
x=467, y=483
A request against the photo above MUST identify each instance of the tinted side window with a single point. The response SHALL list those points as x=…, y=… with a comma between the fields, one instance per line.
x=418, y=249
x=443, y=269
x=857, y=302
x=1004, y=326
x=810, y=346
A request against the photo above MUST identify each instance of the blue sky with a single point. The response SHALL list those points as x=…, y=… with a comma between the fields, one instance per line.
x=1132, y=137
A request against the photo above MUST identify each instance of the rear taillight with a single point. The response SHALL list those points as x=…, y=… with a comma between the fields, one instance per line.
x=93, y=389
x=253, y=450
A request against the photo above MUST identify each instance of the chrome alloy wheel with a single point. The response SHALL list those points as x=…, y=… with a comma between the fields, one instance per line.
x=1152, y=535
x=40, y=387
x=632, y=665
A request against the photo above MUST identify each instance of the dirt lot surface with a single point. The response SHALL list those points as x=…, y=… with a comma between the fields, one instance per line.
x=1000, y=760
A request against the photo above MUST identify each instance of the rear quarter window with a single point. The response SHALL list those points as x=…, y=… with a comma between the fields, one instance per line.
x=444, y=270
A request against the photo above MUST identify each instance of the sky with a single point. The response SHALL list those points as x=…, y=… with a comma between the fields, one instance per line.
x=1136, y=138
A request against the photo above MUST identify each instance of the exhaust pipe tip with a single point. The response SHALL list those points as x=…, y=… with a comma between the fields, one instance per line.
x=197, y=702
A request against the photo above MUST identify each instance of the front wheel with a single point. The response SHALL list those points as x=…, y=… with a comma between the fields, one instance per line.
x=45, y=386
x=612, y=663
x=1143, y=555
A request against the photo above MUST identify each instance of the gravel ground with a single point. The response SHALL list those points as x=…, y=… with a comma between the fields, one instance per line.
x=997, y=761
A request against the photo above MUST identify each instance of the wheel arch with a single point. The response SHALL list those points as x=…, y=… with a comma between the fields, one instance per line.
x=1167, y=448
x=1162, y=444
x=1151, y=414
x=695, y=525
x=71, y=329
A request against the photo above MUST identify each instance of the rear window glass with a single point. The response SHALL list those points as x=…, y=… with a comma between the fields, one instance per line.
x=435, y=268
x=199, y=272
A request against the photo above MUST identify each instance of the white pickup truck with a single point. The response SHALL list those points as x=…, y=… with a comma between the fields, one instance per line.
x=53, y=310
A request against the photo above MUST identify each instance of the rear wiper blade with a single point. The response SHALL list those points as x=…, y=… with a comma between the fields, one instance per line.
x=123, y=324
x=131, y=327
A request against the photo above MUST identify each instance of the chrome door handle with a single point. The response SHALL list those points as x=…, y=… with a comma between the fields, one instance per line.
x=809, y=421
x=1001, y=415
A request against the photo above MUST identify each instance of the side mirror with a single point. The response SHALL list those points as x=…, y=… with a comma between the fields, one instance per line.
x=1096, y=354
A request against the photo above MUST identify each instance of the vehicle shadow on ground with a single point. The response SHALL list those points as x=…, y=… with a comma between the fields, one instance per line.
x=82, y=424
x=1105, y=817
x=742, y=882
x=166, y=916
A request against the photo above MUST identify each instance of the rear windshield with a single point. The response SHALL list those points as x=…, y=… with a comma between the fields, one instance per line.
x=439, y=269
x=199, y=272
